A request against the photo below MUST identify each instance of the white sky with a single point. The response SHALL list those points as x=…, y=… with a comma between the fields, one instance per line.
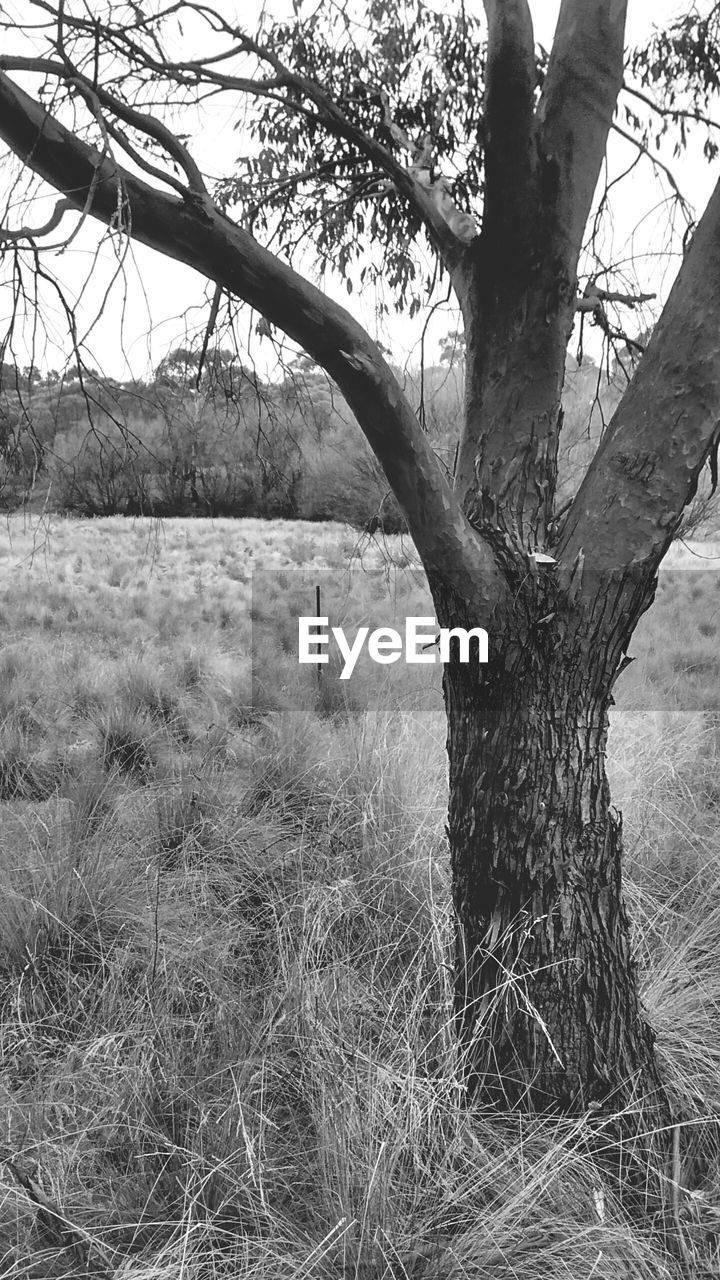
x=142, y=319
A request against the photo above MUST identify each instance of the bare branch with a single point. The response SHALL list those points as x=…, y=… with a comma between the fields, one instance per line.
x=33, y=233
x=97, y=97
x=139, y=159
x=655, y=161
x=594, y=297
x=209, y=331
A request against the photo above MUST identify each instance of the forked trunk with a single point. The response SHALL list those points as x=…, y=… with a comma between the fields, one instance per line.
x=547, y=1004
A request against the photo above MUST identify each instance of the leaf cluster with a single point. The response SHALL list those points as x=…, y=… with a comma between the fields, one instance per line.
x=681, y=65
x=404, y=71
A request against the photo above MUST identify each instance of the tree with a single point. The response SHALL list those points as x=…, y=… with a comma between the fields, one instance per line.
x=354, y=138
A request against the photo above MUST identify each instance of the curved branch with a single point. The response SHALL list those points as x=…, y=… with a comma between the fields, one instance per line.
x=664, y=430
x=656, y=162
x=672, y=113
x=96, y=96
x=195, y=232
x=31, y=233
x=139, y=159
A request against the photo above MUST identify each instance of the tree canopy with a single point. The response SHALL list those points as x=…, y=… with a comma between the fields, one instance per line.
x=396, y=144
x=362, y=133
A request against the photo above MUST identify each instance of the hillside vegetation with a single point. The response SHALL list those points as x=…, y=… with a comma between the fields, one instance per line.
x=225, y=932
x=221, y=441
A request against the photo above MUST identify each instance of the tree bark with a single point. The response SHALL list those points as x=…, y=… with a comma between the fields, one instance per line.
x=520, y=286
x=547, y=1004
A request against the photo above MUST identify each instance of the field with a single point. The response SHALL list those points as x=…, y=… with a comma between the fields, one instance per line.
x=225, y=926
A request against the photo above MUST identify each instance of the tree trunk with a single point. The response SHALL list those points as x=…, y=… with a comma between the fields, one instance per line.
x=547, y=1006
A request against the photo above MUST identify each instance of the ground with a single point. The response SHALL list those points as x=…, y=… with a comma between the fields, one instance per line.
x=225, y=930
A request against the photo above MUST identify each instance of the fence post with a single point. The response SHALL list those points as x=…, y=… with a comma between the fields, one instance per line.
x=318, y=615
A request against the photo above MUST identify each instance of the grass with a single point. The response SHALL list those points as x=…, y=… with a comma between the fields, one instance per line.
x=225, y=930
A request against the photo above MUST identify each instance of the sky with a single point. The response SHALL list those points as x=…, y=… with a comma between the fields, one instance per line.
x=158, y=303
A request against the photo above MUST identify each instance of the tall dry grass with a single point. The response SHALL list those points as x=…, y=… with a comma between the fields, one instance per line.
x=225, y=940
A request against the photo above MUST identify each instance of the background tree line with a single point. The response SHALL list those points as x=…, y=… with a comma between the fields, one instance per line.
x=218, y=440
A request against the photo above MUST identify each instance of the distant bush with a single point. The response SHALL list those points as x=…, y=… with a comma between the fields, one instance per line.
x=218, y=441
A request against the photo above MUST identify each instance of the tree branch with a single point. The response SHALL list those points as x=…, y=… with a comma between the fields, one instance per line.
x=96, y=96
x=449, y=228
x=583, y=80
x=542, y=170
x=664, y=430
x=460, y=224
x=672, y=113
x=510, y=81
x=593, y=298
x=494, y=462
x=32, y=233
x=450, y=239
x=657, y=163
x=195, y=232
